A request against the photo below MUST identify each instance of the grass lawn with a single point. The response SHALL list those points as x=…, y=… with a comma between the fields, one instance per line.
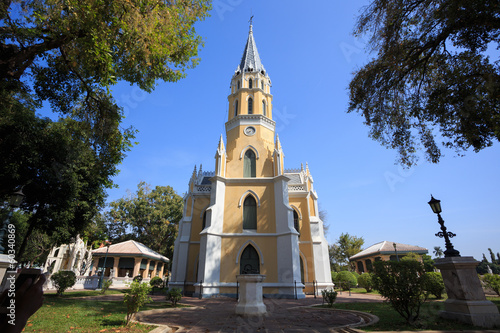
x=71, y=314
x=390, y=320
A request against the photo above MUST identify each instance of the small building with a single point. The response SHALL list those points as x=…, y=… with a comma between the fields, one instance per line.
x=383, y=251
x=129, y=259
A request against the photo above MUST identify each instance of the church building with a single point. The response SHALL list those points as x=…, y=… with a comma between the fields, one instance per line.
x=251, y=215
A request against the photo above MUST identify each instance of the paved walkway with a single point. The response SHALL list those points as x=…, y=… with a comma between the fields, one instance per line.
x=284, y=315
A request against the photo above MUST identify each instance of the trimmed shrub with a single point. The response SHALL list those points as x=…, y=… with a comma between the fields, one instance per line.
x=402, y=284
x=156, y=282
x=136, y=297
x=365, y=280
x=105, y=285
x=434, y=284
x=329, y=296
x=334, y=276
x=493, y=282
x=63, y=280
x=347, y=280
x=137, y=278
x=174, y=295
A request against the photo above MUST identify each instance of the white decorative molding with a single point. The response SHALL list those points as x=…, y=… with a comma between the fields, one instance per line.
x=250, y=119
x=243, y=151
x=245, y=195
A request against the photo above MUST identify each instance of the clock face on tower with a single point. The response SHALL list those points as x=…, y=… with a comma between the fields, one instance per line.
x=250, y=130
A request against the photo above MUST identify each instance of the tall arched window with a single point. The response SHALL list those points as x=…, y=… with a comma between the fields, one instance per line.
x=296, y=221
x=262, y=84
x=250, y=83
x=204, y=223
x=301, y=270
x=250, y=105
x=249, y=261
x=236, y=108
x=238, y=85
x=264, y=108
x=249, y=164
x=249, y=213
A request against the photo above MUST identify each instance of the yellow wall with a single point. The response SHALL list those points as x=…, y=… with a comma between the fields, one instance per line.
x=200, y=204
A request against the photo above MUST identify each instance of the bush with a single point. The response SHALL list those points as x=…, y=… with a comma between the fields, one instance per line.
x=329, y=296
x=434, y=284
x=105, y=285
x=156, y=282
x=365, y=280
x=334, y=276
x=137, y=278
x=63, y=280
x=347, y=280
x=493, y=282
x=402, y=284
x=136, y=297
x=174, y=295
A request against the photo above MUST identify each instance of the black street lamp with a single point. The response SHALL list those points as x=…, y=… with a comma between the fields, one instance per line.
x=15, y=201
x=436, y=208
x=395, y=249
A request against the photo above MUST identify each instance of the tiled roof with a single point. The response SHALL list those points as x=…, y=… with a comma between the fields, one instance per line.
x=386, y=247
x=130, y=247
x=250, y=61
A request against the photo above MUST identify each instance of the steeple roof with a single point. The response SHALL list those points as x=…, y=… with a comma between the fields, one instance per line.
x=250, y=61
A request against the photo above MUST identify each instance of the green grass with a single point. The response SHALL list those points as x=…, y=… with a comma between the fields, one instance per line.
x=363, y=291
x=83, y=293
x=70, y=314
x=390, y=320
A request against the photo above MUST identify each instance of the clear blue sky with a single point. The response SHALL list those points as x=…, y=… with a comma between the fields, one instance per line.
x=310, y=54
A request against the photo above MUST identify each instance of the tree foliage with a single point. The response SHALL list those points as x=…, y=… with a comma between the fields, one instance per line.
x=150, y=216
x=365, y=280
x=492, y=282
x=434, y=284
x=431, y=73
x=63, y=280
x=402, y=284
x=438, y=251
x=345, y=247
x=135, y=297
x=68, y=54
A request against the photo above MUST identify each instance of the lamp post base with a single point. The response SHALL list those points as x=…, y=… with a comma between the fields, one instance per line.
x=466, y=300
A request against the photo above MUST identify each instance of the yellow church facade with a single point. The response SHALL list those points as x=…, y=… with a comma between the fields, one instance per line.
x=251, y=215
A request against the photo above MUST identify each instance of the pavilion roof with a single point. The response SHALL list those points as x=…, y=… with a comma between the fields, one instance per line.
x=129, y=248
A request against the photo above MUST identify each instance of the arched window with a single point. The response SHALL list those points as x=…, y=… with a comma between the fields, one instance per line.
x=296, y=221
x=301, y=270
x=249, y=261
x=238, y=85
x=236, y=108
x=264, y=108
x=250, y=105
x=262, y=84
x=204, y=223
x=249, y=164
x=249, y=213
x=361, y=269
x=250, y=83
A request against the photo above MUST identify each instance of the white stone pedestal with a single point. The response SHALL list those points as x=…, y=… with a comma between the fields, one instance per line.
x=466, y=300
x=250, y=302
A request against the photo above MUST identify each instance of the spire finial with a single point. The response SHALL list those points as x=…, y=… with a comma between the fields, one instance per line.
x=251, y=22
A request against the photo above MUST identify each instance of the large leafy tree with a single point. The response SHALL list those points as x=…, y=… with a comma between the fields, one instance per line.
x=150, y=216
x=68, y=53
x=431, y=78
x=344, y=248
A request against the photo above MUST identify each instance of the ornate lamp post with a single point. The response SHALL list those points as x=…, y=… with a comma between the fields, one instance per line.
x=436, y=208
x=395, y=249
x=15, y=201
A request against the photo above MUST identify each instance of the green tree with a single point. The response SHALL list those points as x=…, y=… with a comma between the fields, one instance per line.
x=346, y=279
x=438, y=251
x=402, y=284
x=345, y=247
x=365, y=280
x=434, y=284
x=68, y=54
x=428, y=263
x=63, y=280
x=492, y=281
x=150, y=216
x=431, y=78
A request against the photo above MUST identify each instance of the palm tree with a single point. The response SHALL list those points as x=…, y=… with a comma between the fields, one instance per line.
x=438, y=251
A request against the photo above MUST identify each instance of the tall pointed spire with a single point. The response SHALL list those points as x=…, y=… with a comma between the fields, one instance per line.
x=250, y=61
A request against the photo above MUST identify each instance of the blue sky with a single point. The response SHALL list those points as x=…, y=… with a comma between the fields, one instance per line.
x=310, y=53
